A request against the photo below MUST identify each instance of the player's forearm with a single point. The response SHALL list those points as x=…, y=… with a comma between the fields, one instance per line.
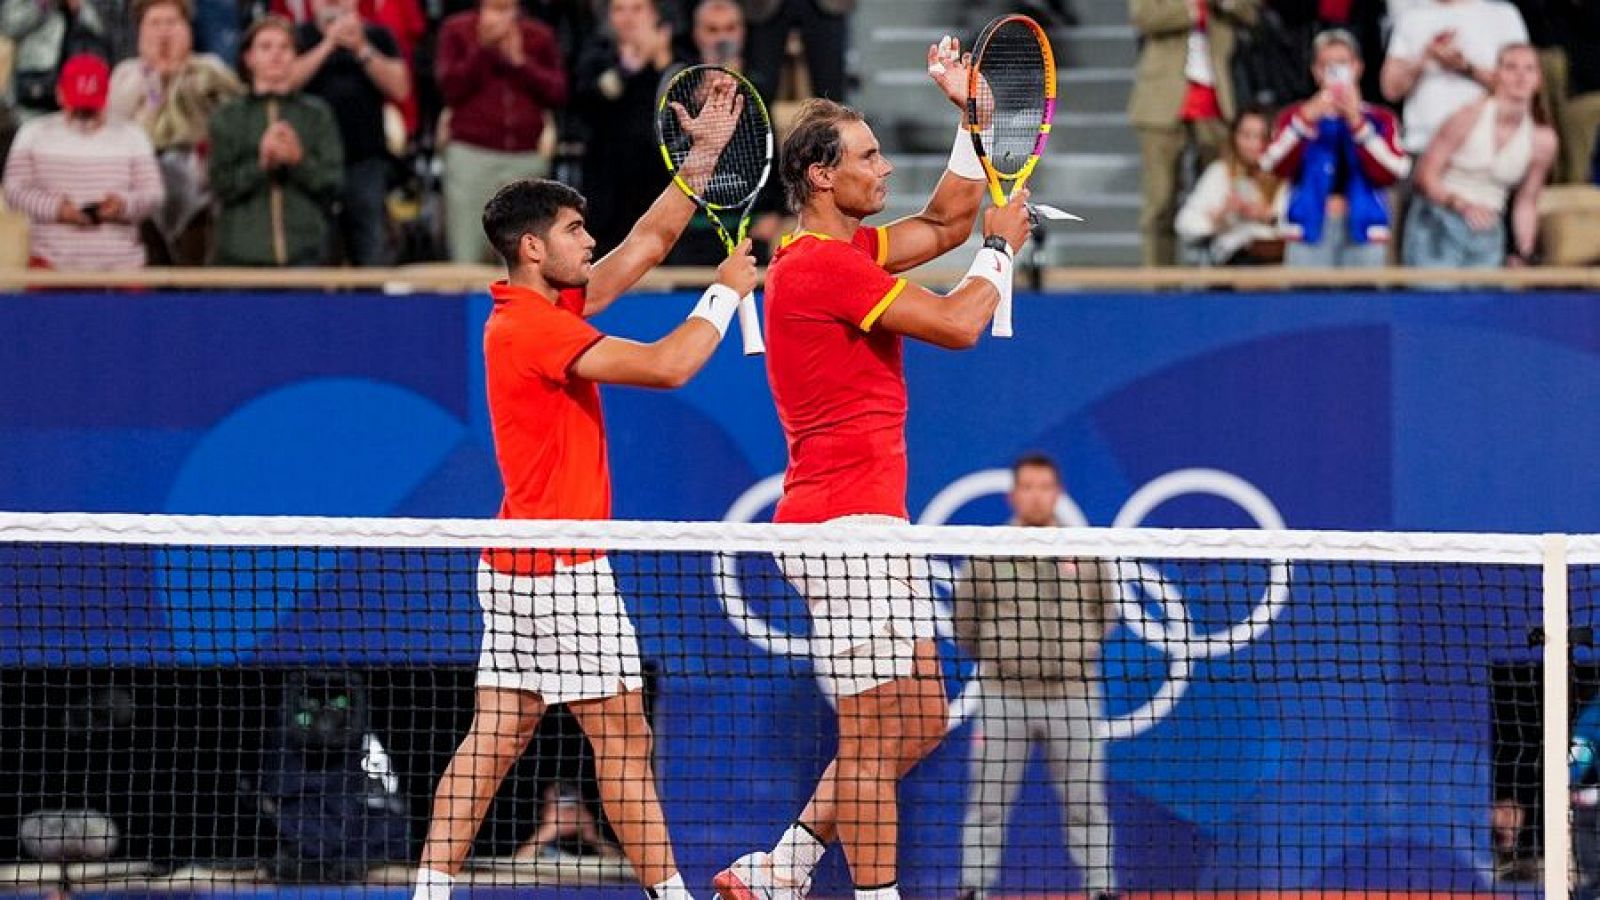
x=968, y=310
x=681, y=355
x=646, y=245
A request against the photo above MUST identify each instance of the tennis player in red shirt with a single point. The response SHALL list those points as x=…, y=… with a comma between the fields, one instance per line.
x=555, y=627
x=836, y=316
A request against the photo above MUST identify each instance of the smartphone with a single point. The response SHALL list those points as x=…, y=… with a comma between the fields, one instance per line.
x=1339, y=73
x=91, y=211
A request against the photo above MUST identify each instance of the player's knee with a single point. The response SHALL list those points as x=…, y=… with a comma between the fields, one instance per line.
x=505, y=736
x=869, y=759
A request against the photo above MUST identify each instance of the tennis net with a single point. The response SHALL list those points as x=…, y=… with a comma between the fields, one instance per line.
x=200, y=702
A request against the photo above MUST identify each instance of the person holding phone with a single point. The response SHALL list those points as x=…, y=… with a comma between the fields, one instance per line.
x=85, y=182
x=1340, y=157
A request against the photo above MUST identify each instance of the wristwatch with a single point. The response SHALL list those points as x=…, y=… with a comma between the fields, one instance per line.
x=996, y=242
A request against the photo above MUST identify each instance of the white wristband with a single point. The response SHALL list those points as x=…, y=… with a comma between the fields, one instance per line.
x=963, y=157
x=717, y=306
x=994, y=267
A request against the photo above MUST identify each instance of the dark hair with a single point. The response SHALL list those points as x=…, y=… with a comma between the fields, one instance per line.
x=813, y=139
x=265, y=23
x=529, y=206
x=1036, y=459
x=141, y=8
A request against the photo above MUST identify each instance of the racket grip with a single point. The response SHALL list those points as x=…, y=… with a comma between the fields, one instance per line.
x=750, y=326
x=1000, y=326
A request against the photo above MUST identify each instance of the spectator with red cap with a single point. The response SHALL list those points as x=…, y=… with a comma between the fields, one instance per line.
x=85, y=182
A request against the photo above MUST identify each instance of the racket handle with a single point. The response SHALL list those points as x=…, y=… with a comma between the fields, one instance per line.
x=750, y=326
x=1000, y=326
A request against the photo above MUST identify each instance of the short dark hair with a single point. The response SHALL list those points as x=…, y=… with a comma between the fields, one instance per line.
x=529, y=206
x=141, y=8
x=1036, y=459
x=813, y=139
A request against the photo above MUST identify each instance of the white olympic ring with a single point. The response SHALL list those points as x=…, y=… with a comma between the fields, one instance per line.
x=1172, y=635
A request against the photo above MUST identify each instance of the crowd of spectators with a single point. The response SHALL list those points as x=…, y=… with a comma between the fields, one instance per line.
x=289, y=133
x=1307, y=132
x=1438, y=161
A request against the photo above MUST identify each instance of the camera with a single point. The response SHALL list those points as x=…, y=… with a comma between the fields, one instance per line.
x=91, y=211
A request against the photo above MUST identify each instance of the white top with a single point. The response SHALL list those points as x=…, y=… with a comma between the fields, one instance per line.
x=1481, y=174
x=53, y=160
x=1197, y=63
x=1197, y=60
x=1201, y=217
x=1482, y=27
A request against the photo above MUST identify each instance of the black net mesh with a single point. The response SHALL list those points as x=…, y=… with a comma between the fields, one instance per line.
x=197, y=717
x=1011, y=94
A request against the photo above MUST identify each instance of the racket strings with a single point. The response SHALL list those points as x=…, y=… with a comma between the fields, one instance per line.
x=737, y=176
x=1011, y=65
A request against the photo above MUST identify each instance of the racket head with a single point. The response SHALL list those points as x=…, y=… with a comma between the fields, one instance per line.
x=745, y=161
x=1011, y=101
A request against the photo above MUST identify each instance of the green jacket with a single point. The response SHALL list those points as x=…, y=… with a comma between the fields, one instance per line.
x=1163, y=27
x=281, y=217
x=1034, y=624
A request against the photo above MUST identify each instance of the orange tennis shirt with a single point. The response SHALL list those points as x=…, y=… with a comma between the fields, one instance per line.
x=549, y=437
x=839, y=382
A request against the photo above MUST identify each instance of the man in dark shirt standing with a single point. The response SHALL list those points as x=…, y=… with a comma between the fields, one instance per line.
x=499, y=72
x=614, y=95
x=356, y=68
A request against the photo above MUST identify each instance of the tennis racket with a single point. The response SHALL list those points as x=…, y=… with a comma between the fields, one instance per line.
x=1011, y=99
x=712, y=105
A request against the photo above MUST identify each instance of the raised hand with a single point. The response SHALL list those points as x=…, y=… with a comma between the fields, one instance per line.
x=711, y=130
x=947, y=66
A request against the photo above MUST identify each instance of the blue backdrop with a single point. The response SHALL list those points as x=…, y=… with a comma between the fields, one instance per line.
x=1307, y=758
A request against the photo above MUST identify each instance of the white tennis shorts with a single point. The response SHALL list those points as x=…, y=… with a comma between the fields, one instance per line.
x=564, y=636
x=868, y=611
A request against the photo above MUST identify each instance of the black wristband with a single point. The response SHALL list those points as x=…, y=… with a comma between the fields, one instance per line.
x=996, y=242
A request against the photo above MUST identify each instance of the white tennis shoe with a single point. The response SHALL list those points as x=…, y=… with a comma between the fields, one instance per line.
x=750, y=877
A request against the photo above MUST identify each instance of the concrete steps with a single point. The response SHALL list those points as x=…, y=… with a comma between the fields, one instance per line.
x=1092, y=165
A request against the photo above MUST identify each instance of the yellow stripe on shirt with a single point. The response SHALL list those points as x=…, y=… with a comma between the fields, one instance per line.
x=883, y=244
x=882, y=305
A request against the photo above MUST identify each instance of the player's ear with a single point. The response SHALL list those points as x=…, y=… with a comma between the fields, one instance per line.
x=821, y=177
x=531, y=248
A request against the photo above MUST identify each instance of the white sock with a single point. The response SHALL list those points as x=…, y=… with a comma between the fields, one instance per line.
x=892, y=892
x=432, y=884
x=671, y=889
x=796, y=855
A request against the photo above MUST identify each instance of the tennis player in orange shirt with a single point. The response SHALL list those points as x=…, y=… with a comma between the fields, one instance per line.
x=555, y=627
x=836, y=317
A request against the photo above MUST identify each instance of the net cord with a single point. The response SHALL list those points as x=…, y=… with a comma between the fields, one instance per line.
x=1212, y=544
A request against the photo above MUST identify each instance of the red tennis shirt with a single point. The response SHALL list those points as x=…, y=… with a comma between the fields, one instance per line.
x=839, y=383
x=549, y=437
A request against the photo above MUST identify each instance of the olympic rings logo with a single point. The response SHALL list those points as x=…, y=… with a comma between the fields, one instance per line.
x=1140, y=585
